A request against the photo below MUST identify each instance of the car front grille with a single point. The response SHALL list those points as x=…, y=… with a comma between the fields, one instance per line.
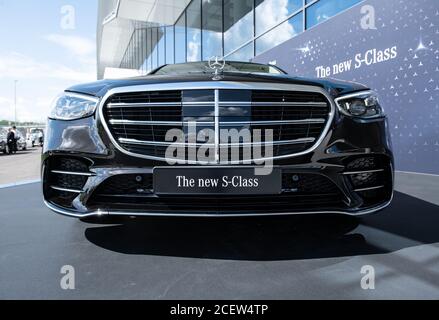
x=139, y=121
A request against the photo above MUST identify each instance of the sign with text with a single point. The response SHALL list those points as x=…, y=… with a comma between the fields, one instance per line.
x=392, y=47
x=216, y=180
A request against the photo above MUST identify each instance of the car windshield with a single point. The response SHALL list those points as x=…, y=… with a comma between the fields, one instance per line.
x=203, y=67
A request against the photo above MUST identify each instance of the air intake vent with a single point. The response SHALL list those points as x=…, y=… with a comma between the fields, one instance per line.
x=134, y=192
x=287, y=96
x=371, y=179
x=147, y=97
x=66, y=179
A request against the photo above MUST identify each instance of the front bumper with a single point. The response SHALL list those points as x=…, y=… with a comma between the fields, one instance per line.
x=347, y=141
x=100, y=213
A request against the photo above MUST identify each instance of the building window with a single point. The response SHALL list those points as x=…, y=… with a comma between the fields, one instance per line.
x=193, y=16
x=154, y=54
x=148, y=49
x=238, y=23
x=130, y=55
x=161, y=46
x=142, y=50
x=133, y=50
x=212, y=28
x=280, y=34
x=169, y=45
x=139, y=49
x=325, y=9
x=180, y=39
x=245, y=53
x=236, y=29
x=272, y=12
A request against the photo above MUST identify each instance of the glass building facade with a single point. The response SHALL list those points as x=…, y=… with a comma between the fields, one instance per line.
x=235, y=29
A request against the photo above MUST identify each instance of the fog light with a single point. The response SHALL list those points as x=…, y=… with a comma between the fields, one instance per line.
x=139, y=179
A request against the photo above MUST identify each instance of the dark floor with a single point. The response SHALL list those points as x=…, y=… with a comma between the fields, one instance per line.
x=270, y=258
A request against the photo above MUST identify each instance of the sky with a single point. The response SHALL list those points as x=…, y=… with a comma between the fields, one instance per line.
x=46, y=45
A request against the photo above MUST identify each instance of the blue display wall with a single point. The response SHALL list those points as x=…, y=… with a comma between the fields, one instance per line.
x=391, y=46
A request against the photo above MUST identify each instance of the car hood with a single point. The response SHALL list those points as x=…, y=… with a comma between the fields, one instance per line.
x=334, y=87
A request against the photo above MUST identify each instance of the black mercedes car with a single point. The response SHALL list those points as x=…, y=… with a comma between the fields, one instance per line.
x=217, y=139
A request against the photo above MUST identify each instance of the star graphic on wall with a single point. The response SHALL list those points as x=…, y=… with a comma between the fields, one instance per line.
x=304, y=49
x=421, y=46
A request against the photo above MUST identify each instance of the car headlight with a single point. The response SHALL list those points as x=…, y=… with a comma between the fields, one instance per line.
x=363, y=105
x=71, y=106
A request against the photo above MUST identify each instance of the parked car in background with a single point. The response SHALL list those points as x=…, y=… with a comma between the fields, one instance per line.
x=36, y=136
x=21, y=141
x=3, y=141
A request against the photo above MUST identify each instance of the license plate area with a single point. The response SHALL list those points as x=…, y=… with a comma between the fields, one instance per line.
x=215, y=181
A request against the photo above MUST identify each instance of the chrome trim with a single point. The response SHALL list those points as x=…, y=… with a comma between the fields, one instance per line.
x=162, y=143
x=86, y=174
x=73, y=214
x=65, y=189
x=203, y=123
x=273, y=122
x=98, y=213
x=268, y=103
x=275, y=143
x=367, y=189
x=222, y=123
x=146, y=123
x=143, y=105
x=159, y=104
x=217, y=127
x=219, y=85
x=292, y=104
x=198, y=103
x=353, y=95
x=360, y=172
